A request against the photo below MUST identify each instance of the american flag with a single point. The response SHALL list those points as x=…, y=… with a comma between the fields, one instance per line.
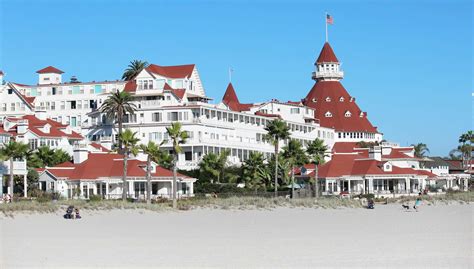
x=329, y=19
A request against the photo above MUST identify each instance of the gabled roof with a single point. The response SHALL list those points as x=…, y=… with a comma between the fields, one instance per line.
x=358, y=165
x=56, y=129
x=130, y=86
x=325, y=96
x=49, y=69
x=231, y=100
x=106, y=165
x=175, y=71
x=327, y=55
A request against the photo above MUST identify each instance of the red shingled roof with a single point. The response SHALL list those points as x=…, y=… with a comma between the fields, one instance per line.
x=56, y=130
x=327, y=55
x=325, y=96
x=357, y=165
x=130, y=86
x=100, y=165
x=175, y=71
x=49, y=69
x=232, y=101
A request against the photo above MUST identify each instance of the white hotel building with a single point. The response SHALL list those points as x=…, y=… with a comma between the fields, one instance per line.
x=164, y=94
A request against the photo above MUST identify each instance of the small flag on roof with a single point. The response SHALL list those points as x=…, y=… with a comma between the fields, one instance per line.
x=329, y=19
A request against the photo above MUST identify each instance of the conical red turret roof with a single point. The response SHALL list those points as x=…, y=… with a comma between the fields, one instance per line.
x=327, y=55
x=231, y=100
x=344, y=115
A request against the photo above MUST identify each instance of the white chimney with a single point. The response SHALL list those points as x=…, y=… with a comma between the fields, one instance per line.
x=375, y=153
x=80, y=152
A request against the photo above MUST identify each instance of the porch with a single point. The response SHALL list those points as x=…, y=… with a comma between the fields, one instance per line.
x=137, y=189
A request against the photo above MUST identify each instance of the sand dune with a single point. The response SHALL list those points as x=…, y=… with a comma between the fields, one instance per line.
x=387, y=237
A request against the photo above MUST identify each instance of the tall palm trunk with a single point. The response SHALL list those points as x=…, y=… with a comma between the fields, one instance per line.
x=148, y=180
x=120, y=129
x=292, y=182
x=11, y=178
x=124, y=178
x=276, y=168
x=175, y=184
x=316, y=185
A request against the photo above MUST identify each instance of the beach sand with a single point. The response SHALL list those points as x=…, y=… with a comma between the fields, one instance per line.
x=388, y=237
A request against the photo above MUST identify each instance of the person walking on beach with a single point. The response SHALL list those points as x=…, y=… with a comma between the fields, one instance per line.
x=417, y=204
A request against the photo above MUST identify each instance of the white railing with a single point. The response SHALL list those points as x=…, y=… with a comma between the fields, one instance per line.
x=19, y=167
x=333, y=74
x=150, y=103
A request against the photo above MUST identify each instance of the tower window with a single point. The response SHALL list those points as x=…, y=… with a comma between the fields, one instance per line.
x=313, y=100
x=328, y=114
x=361, y=114
x=328, y=99
x=341, y=99
x=347, y=114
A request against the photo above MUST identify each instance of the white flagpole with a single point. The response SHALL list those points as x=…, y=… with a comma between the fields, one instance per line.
x=230, y=74
x=326, y=21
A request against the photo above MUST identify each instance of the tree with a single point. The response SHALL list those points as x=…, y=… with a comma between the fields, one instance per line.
x=277, y=130
x=129, y=142
x=45, y=156
x=316, y=150
x=177, y=137
x=116, y=106
x=222, y=163
x=466, y=140
x=209, y=166
x=152, y=151
x=253, y=170
x=165, y=159
x=420, y=150
x=295, y=154
x=133, y=69
x=10, y=151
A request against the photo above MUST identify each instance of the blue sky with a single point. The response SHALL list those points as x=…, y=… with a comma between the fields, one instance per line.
x=408, y=63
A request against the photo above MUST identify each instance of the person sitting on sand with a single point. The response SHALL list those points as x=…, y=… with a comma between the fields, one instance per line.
x=370, y=203
x=69, y=211
x=417, y=204
x=77, y=216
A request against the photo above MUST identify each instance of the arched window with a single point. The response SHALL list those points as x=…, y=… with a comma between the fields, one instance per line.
x=341, y=99
x=361, y=114
x=313, y=100
x=328, y=99
x=328, y=114
x=347, y=114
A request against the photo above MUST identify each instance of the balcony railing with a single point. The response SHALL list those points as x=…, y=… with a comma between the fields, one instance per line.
x=150, y=103
x=328, y=74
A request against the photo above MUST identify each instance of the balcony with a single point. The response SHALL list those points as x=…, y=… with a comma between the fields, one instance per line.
x=328, y=74
x=150, y=103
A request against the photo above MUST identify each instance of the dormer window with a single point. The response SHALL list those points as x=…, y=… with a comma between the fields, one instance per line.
x=361, y=114
x=328, y=99
x=328, y=115
x=313, y=100
x=352, y=99
x=347, y=114
x=341, y=99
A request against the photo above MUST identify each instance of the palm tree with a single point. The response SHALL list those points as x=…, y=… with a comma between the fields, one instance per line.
x=117, y=106
x=129, y=142
x=10, y=151
x=253, y=169
x=165, y=159
x=133, y=69
x=50, y=157
x=420, y=149
x=209, y=166
x=295, y=154
x=152, y=151
x=177, y=137
x=317, y=151
x=222, y=163
x=466, y=140
x=277, y=130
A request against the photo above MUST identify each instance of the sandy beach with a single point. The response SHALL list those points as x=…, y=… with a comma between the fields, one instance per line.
x=388, y=237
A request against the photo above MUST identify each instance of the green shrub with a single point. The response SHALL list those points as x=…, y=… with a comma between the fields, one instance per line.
x=95, y=198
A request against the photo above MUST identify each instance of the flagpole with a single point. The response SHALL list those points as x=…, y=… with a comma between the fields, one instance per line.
x=326, y=20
